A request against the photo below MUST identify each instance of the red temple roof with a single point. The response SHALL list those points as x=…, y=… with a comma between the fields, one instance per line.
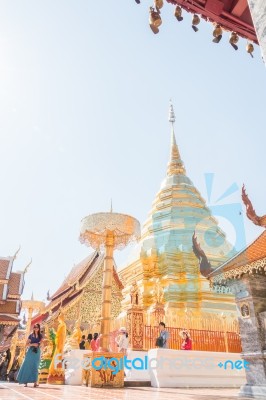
x=256, y=251
x=232, y=15
x=5, y=268
x=11, y=287
x=75, y=274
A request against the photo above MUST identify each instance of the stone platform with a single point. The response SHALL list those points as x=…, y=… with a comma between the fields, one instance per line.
x=14, y=391
x=179, y=368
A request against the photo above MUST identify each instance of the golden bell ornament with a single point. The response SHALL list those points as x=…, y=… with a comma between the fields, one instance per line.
x=155, y=20
x=195, y=21
x=233, y=40
x=217, y=33
x=178, y=13
x=250, y=49
x=158, y=4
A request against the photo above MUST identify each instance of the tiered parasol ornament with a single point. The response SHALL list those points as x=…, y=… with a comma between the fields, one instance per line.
x=108, y=231
x=32, y=306
x=231, y=16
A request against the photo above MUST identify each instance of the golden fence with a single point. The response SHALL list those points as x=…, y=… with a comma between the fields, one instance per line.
x=202, y=340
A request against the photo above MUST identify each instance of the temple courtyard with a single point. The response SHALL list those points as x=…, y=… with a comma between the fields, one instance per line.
x=13, y=391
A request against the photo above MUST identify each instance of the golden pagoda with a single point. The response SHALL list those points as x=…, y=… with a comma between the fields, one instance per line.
x=162, y=277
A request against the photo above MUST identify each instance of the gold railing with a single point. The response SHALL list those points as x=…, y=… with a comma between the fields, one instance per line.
x=201, y=339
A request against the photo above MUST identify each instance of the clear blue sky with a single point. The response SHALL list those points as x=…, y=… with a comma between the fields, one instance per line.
x=84, y=92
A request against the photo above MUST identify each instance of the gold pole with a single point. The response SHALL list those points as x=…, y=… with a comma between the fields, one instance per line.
x=225, y=333
x=28, y=324
x=107, y=292
x=13, y=348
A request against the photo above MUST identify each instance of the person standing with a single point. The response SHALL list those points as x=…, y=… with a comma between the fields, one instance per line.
x=187, y=342
x=82, y=343
x=164, y=336
x=122, y=341
x=95, y=343
x=28, y=372
x=88, y=342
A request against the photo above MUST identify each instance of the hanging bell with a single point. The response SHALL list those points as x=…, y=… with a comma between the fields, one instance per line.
x=178, y=13
x=217, y=33
x=195, y=21
x=250, y=49
x=233, y=40
x=155, y=20
x=158, y=4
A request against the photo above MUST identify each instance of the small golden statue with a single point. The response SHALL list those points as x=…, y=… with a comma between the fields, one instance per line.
x=56, y=369
x=74, y=340
x=159, y=293
x=47, y=344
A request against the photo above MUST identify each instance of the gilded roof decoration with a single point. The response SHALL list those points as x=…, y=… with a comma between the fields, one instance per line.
x=249, y=260
x=95, y=227
x=256, y=267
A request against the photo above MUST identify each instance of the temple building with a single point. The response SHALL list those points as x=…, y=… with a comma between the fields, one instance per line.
x=80, y=296
x=162, y=276
x=161, y=280
x=245, y=275
x=11, y=288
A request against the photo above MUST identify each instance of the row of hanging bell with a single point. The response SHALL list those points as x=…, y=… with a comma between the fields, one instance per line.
x=156, y=20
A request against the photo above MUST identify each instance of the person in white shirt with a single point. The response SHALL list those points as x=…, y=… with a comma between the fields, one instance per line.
x=122, y=340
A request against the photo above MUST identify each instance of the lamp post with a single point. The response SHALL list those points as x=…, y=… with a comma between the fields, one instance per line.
x=108, y=231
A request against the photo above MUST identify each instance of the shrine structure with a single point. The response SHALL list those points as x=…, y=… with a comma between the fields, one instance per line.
x=11, y=288
x=80, y=296
x=245, y=275
x=161, y=280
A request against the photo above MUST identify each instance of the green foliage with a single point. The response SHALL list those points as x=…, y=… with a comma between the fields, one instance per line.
x=52, y=336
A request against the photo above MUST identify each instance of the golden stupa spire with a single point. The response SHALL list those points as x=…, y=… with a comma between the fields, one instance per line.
x=175, y=165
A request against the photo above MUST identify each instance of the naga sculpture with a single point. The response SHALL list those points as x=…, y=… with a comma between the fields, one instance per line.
x=251, y=214
x=205, y=266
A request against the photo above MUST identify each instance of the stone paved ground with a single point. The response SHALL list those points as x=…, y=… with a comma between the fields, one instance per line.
x=13, y=391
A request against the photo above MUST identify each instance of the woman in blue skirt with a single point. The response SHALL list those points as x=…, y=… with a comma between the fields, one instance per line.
x=28, y=372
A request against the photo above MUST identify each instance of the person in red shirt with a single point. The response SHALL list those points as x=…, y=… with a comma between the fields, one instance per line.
x=187, y=342
x=95, y=342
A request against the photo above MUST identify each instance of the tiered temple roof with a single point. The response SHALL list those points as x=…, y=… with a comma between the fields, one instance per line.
x=11, y=287
x=250, y=260
x=72, y=288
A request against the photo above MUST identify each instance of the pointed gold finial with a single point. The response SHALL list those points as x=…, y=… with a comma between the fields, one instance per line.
x=171, y=113
x=175, y=165
x=32, y=298
x=111, y=210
